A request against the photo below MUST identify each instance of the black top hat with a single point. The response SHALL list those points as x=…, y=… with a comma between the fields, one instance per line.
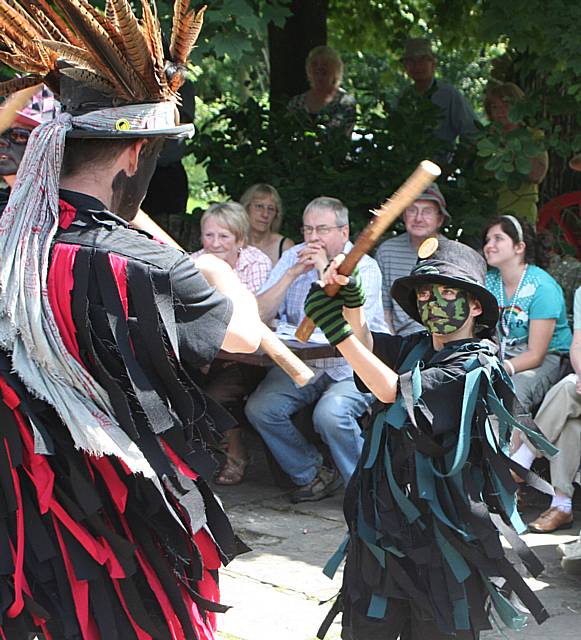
x=451, y=263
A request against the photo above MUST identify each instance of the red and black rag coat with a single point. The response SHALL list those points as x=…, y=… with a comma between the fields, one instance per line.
x=89, y=550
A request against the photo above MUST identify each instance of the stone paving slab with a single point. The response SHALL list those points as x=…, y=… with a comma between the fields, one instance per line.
x=275, y=590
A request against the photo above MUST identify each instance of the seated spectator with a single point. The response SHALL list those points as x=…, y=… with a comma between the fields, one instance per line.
x=520, y=201
x=224, y=232
x=264, y=208
x=559, y=418
x=457, y=117
x=398, y=256
x=338, y=402
x=533, y=332
x=325, y=103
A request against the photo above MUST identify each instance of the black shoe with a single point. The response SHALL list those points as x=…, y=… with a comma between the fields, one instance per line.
x=325, y=484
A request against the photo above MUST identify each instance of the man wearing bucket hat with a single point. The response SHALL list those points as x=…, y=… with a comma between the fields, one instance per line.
x=457, y=119
x=424, y=555
x=108, y=529
x=397, y=257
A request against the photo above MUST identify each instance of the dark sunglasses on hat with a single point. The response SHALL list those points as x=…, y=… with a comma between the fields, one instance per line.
x=16, y=135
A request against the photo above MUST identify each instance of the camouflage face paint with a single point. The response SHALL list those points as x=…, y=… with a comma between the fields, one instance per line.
x=443, y=309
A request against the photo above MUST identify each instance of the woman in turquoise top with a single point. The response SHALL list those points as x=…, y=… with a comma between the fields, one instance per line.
x=533, y=333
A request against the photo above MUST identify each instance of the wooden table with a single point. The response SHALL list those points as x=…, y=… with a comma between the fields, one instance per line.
x=309, y=351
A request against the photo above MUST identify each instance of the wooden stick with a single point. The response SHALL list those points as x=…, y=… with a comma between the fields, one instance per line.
x=269, y=343
x=387, y=214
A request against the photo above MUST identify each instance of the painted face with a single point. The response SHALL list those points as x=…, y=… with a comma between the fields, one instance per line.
x=220, y=241
x=443, y=310
x=320, y=225
x=499, y=247
x=261, y=212
x=12, y=146
x=129, y=191
x=422, y=219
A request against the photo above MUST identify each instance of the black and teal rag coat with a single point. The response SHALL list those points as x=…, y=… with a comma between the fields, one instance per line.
x=433, y=491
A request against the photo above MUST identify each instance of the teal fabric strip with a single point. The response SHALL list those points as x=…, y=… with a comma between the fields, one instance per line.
x=456, y=562
x=461, y=615
x=335, y=560
x=377, y=607
x=471, y=392
x=396, y=416
x=426, y=486
x=377, y=552
x=376, y=431
x=535, y=437
x=507, y=612
x=407, y=507
x=508, y=501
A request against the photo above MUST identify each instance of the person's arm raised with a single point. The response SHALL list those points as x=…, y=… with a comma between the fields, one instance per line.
x=245, y=329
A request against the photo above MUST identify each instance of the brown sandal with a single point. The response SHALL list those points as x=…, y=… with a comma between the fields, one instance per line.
x=233, y=471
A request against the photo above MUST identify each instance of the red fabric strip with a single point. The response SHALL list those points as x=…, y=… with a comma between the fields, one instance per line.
x=139, y=632
x=67, y=214
x=60, y=285
x=36, y=466
x=117, y=488
x=203, y=630
x=79, y=591
x=119, y=269
x=178, y=462
x=89, y=543
x=16, y=607
x=9, y=396
x=155, y=585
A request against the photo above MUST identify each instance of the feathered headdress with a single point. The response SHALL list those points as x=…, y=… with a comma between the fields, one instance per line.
x=94, y=61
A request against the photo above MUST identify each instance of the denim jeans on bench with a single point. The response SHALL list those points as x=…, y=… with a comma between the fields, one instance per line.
x=277, y=398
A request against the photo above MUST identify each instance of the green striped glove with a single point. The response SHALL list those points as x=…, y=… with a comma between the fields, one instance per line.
x=327, y=313
x=352, y=293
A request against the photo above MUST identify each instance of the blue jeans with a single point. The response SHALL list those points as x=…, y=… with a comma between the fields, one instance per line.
x=269, y=410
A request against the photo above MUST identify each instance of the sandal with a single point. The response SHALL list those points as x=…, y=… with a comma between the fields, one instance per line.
x=233, y=471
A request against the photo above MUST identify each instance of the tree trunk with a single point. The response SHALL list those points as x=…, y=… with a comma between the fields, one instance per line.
x=288, y=48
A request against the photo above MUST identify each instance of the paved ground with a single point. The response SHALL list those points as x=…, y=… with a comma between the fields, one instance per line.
x=276, y=589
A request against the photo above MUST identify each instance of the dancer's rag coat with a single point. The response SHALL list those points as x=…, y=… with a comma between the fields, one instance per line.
x=432, y=490
x=91, y=550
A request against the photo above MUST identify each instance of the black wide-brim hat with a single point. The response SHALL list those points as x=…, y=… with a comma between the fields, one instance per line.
x=453, y=264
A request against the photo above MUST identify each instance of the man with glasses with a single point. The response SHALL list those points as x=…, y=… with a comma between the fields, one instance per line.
x=398, y=256
x=339, y=404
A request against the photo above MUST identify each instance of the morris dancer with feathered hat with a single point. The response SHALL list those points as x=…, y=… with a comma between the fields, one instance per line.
x=108, y=529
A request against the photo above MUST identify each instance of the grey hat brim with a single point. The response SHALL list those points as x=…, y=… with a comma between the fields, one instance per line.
x=403, y=292
x=181, y=131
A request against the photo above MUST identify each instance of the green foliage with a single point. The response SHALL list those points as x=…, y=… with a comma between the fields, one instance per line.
x=241, y=146
x=508, y=154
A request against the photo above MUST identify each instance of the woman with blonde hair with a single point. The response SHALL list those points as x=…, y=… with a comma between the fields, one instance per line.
x=225, y=229
x=326, y=103
x=264, y=208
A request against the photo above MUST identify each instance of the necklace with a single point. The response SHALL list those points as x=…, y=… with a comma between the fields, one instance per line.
x=505, y=317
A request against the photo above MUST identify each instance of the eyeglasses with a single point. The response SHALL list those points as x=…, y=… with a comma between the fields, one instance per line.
x=423, y=294
x=269, y=208
x=17, y=135
x=321, y=229
x=427, y=213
